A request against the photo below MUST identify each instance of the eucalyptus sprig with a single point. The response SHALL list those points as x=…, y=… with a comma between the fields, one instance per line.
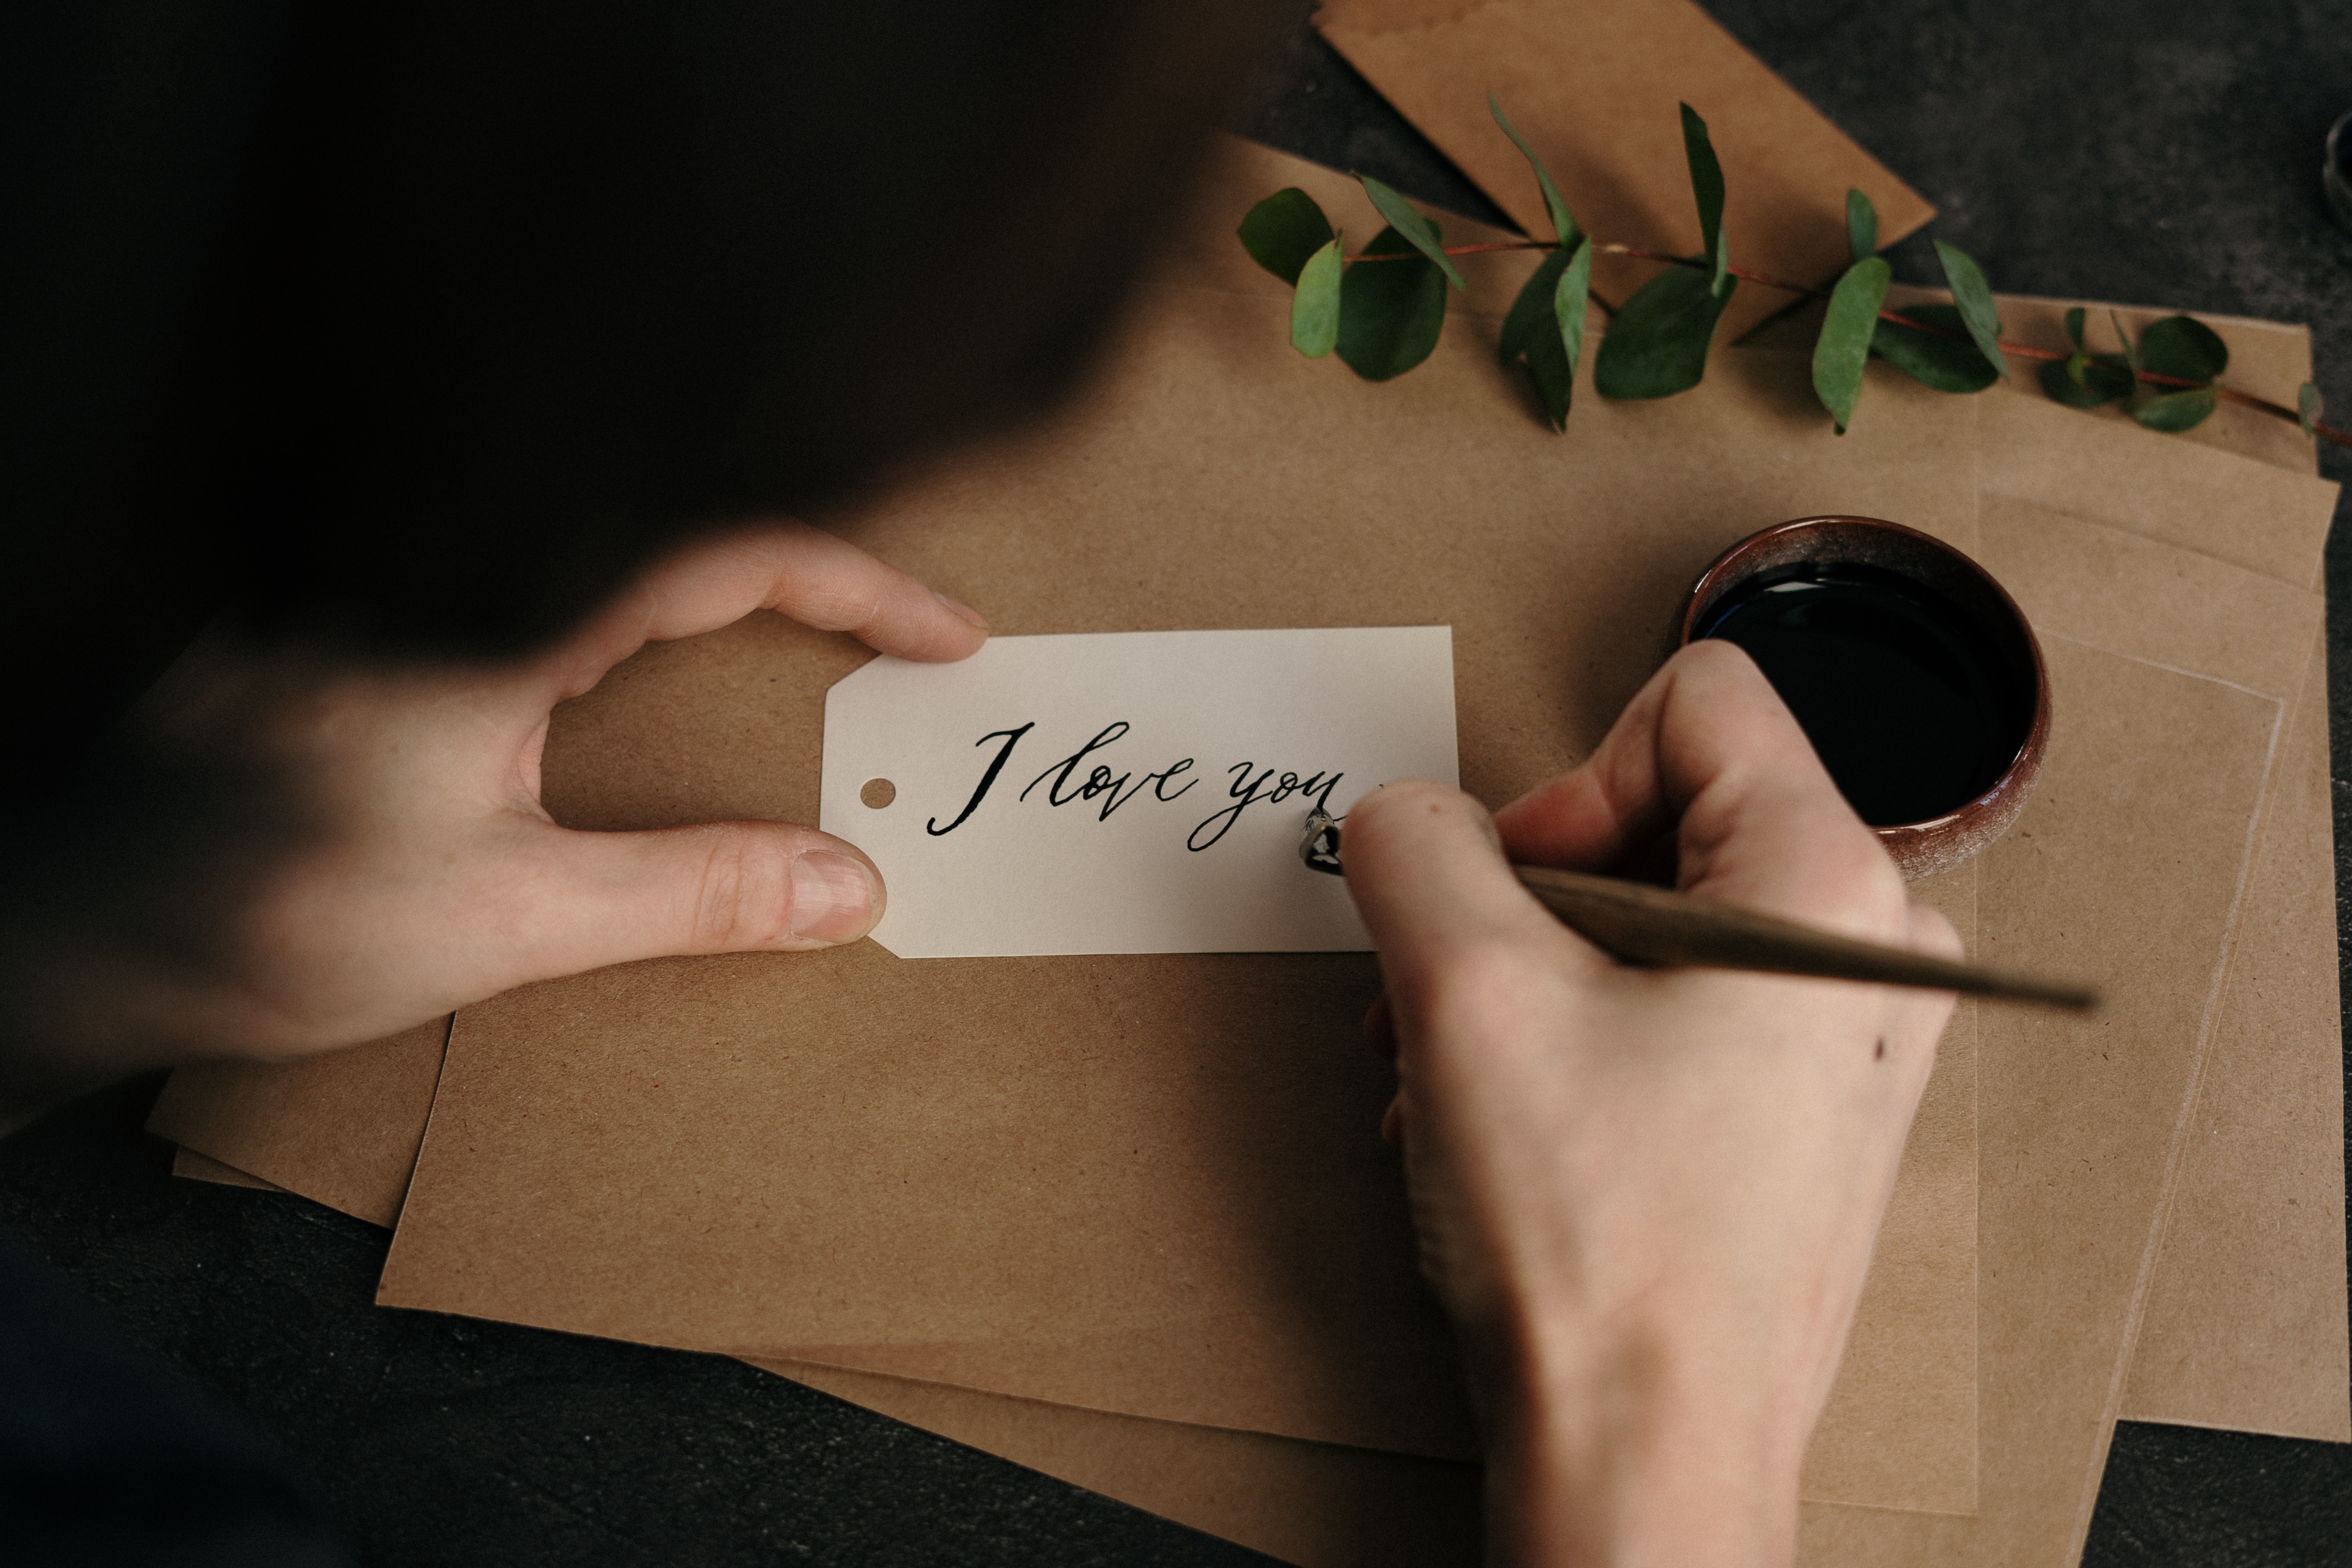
x=1384, y=319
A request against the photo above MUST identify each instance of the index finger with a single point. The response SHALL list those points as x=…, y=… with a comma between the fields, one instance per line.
x=791, y=568
x=1435, y=890
x=1708, y=752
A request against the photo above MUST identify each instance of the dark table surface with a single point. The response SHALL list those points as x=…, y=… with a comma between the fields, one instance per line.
x=2164, y=151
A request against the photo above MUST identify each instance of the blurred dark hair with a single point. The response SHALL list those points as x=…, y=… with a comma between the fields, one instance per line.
x=416, y=327
x=394, y=330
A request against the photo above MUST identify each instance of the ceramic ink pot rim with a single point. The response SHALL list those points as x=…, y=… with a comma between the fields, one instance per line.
x=1938, y=844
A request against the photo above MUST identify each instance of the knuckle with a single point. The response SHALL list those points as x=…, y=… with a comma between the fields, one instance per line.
x=1931, y=932
x=743, y=898
x=1859, y=891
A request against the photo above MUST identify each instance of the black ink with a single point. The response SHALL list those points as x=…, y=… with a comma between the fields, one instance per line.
x=1170, y=772
x=995, y=766
x=1915, y=706
x=1060, y=771
x=1099, y=780
x=1244, y=792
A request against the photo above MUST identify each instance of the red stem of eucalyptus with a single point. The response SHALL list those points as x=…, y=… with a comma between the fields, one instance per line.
x=2020, y=350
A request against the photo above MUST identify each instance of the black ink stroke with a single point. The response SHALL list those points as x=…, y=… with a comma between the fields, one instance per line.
x=995, y=766
x=1245, y=793
x=1099, y=781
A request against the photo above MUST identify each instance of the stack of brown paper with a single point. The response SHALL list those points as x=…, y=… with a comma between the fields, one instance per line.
x=1125, y=1220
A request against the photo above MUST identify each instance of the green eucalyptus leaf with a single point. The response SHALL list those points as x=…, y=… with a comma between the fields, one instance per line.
x=2131, y=349
x=1282, y=231
x=1656, y=344
x=1706, y=185
x=1973, y=295
x=1315, y=308
x=1563, y=222
x=2107, y=374
x=1842, y=351
x=1423, y=234
x=1567, y=302
x=1861, y=227
x=2310, y=406
x=2074, y=327
x=2183, y=346
x=1390, y=312
x=2175, y=411
x=1947, y=363
x=1555, y=377
x=1531, y=311
x=1552, y=356
x=2082, y=382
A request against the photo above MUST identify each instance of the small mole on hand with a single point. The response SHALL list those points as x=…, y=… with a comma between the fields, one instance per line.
x=1880, y=1055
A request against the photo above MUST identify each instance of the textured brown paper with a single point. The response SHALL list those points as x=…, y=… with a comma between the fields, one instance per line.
x=341, y=1129
x=1309, y=1503
x=186, y=1161
x=977, y=1178
x=1593, y=87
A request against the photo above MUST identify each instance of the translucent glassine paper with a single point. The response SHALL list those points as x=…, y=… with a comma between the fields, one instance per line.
x=1127, y=792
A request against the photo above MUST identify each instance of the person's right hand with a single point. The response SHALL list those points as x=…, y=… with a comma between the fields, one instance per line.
x=1648, y=1197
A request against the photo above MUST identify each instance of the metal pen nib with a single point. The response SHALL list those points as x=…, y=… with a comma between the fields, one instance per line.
x=1320, y=847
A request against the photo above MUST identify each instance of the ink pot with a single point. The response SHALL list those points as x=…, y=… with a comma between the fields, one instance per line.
x=1912, y=671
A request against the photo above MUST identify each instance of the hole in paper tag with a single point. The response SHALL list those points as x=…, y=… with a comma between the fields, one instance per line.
x=1133, y=791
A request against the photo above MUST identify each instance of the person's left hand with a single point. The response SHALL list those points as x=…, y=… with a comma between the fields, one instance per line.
x=431, y=876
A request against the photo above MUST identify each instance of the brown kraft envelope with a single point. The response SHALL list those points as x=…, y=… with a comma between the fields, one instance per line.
x=1594, y=89
x=897, y=1204
x=341, y=1129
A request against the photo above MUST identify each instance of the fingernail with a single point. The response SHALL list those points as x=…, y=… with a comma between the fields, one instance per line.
x=833, y=897
x=961, y=608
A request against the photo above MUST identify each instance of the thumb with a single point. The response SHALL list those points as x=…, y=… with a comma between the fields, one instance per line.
x=720, y=887
x=1430, y=880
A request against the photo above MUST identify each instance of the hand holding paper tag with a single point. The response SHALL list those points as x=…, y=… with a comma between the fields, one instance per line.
x=427, y=872
x=1135, y=792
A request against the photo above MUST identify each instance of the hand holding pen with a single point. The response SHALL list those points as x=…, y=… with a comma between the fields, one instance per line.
x=1648, y=1197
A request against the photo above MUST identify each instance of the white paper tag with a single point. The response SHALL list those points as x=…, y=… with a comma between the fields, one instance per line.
x=1131, y=792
